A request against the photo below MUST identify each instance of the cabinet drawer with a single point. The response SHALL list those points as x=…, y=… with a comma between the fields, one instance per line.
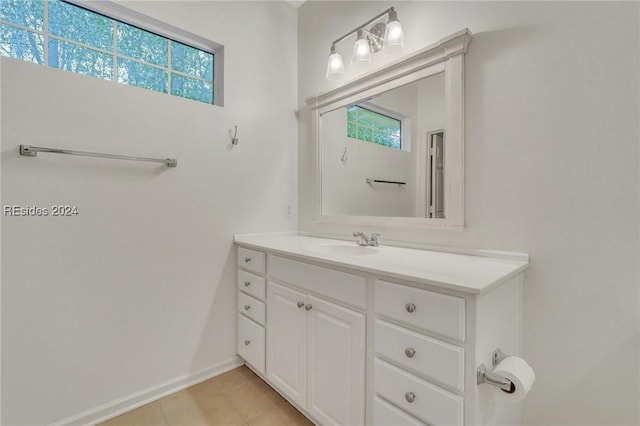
x=251, y=307
x=385, y=414
x=252, y=260
x=252, y=284
x=251, y=343
x=426, y=356
x=428, y=310
x=430, y=403
x=341, y=286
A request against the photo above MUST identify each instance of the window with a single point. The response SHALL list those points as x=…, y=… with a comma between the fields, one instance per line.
x=62, y=35
x=371, y=126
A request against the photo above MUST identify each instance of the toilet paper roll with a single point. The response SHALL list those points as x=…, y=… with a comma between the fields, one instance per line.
x=521, y=375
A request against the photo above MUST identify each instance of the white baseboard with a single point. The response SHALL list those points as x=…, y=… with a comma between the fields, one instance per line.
x=120, y=406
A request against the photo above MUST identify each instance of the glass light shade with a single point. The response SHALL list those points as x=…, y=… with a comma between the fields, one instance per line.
x=335, y=68
x=361, y=52
x=395, y=36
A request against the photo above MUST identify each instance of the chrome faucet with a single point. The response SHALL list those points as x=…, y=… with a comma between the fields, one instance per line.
x=363, y=240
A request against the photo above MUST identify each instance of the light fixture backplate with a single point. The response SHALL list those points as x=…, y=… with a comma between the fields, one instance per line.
x=375, y=36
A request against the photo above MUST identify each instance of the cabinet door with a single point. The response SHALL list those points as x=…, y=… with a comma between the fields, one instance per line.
x=287, y=341
x=336, y=364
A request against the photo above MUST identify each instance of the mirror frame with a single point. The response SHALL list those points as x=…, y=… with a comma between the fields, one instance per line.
x=446, y=56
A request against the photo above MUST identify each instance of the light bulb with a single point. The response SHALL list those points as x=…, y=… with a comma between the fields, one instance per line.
x=361, y=50
x=395, y=36
x=335, y=68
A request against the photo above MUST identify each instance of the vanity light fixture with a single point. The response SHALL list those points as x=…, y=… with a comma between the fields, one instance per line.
x=335, y=68
x=368, y=41
x=394, y=36
x=361, y=50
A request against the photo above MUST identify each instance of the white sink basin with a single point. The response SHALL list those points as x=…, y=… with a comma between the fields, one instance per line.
x=344, y=250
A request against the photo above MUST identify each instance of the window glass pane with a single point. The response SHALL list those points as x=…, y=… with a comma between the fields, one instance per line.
x=21, y=44
x=78, y=59
x=365, y=117
x=386, y=124
x=364, y=134
x=351, y=114
x=394, y=127
x=28, y=13
x=351, y=130
x=77, y=24
x=142, y=45
x=394, y=142
x=82, y=41
x=141, y=75
x=191, y=61
x=381, y=138
x=191, y=88
x=380, y=122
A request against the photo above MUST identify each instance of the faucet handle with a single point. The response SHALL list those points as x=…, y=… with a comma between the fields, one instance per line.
x=361, y=239
x=373, y=240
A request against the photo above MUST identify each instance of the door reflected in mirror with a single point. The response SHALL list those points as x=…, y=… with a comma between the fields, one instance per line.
x=384, y=156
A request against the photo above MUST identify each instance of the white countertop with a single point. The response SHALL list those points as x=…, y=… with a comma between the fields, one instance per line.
x=466, y=273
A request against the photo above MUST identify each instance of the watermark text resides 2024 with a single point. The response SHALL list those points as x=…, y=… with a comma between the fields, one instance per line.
x=35, y=211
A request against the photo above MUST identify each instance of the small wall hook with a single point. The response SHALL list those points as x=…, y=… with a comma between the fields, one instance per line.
x=344, y=157
x=234, y=138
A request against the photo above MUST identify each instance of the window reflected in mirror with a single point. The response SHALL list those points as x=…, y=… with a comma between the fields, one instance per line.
x=383, y=128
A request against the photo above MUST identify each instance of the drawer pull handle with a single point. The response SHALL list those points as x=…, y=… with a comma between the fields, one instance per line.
x=410, y=397
x=247, y=283
x=410, y=352
x=247, y=307
x=247, y=342
x=308, y=307
x=300, y=304
x=247, y=259
x=410, y=307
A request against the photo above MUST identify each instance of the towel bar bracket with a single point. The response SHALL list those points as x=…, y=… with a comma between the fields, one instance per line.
x=26, y=150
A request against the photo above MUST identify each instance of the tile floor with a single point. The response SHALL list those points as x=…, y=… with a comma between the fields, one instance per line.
x=236, y=398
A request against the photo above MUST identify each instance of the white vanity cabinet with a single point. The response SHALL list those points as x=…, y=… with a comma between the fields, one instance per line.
x=388, y=338
x=251, y=307
x=315, y=348
x=420, y=374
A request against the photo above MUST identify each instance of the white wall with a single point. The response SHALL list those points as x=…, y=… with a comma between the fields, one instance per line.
x=138, y=289
x=431, y=110
x=552, y=107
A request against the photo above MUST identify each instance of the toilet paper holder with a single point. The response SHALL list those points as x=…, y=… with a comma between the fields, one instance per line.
x=484, y=376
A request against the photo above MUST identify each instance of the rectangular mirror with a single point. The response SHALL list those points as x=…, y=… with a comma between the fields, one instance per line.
x=383, y=156
x=390, y=144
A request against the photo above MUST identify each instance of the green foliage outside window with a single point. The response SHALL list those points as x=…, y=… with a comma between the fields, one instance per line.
x=371, y=126
x=85, y=42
